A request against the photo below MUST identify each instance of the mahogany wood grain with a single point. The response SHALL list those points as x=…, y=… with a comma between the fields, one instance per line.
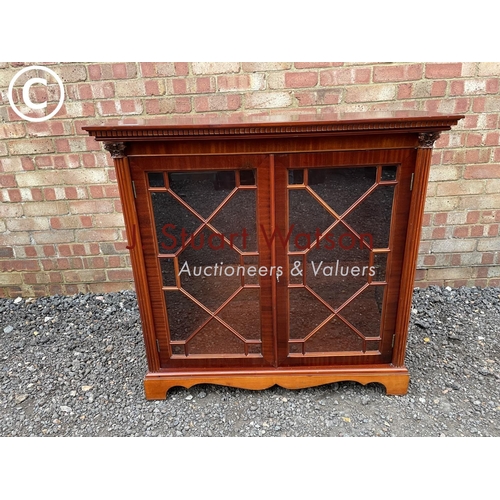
x=275, y=145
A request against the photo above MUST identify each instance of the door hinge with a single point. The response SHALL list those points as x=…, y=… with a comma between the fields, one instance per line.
x=411, y=181
x=133, y=188
x=157, y=345
x=393, y=340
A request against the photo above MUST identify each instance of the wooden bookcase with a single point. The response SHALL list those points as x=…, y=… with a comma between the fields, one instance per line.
x=274, y=250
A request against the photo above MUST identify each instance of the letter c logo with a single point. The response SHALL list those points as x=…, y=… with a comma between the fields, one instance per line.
x=26, y=91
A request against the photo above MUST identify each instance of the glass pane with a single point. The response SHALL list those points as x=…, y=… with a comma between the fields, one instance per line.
x=156, y=179
x=295, y=271
x=373, y=215
x=295, y=348
x=306, y=313
x=380, y=266
x=215, y=339
x=296, y=177
x=178, y=350
x=243, y=314
x=341, y=187
x=237, y=220
x=251, y=263
x=335, y=336
x=209, y=270
x=308, y=219
x=203, y=191
x=167, y=272
x=173, y=222
x=247, y=177
x=373, y=345
x=389, y=173
x=255, y=349
x=365, y=311
x=184, y=316
x=338, y=268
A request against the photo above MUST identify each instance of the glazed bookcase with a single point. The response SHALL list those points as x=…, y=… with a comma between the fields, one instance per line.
x=274, y=250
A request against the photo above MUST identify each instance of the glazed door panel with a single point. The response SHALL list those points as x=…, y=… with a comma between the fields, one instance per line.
x=340, y=241
x=274, y=260
x=209, y=268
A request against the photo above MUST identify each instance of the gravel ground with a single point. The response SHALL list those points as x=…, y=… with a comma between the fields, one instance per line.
x=74, y=366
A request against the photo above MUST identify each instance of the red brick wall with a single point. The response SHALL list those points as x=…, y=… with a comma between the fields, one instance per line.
x=61, y=228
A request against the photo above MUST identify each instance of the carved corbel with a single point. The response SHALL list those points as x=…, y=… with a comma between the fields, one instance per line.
x=116, y=149
x=427, y=139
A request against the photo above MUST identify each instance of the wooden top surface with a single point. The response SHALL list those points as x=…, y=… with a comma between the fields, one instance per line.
x=243, y=124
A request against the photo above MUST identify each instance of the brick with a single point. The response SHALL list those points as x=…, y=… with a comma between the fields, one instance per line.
x=76, y=144
x=168, y=105
x=490, y=171
x=130, y=88
x=449, y=273
x=397, y=73
x=473, y=140
x=71, y=222
x=491, y=139
x=10, y=279
x=47, y=237
x=477, y=231
x=6, y=252
x=91, y=207
x=11, y=165
x=490, y=104
x=152, y=70
x=453, y=245
x=489, y=68
x=269, y=100
x=190, y=85
x=19, y=265
x=36, y=209
x=95, y=159
x=50, y=128
x=493, y=186
x=8, y=180
x=217, y=102
x=53, y=178
x=443, y=70
x=307, y=65
x=438, y=233
x=29, y=224
x=94, y=235
x=213, y=68
x=154, y=87
x=441, y=204
x=77, y=109
x=97, y=90
x=370, y=93
x=344, y=76
x=31, y=147
x=108, y=220
x=301, y=79
x=8, y=210
x=119, y=275
x=460, y=188
x=480, y=202
x=234, y=83
x=318, y=97
x=251, y=67
x=12, y=130
x=461, y=232
x=71, y=73
x=488, y=245
x=84, y=276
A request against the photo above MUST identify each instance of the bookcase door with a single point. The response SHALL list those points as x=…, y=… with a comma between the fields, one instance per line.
x=340, y=240
x=203, y=221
